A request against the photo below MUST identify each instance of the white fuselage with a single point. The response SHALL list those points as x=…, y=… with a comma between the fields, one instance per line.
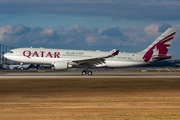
x=48, y=56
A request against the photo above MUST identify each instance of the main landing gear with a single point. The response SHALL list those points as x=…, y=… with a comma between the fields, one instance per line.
x=86, y=72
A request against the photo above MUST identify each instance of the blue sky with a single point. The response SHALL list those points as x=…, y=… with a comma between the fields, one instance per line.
x=129, y=26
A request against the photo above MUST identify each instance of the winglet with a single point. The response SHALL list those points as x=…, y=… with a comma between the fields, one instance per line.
x=114, y=53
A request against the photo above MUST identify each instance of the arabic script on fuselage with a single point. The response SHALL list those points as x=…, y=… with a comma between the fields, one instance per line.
x=74, y=53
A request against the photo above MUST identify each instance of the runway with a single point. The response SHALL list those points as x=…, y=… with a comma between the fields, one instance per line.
x=96, y=74
x=84, y=77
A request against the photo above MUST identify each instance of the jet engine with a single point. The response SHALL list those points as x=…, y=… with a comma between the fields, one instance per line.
x=62, y=65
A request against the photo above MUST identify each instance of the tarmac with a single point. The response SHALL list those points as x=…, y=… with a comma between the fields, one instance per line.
x=96, y=74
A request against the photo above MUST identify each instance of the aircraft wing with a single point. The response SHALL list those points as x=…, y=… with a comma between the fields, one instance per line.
x=95, y=60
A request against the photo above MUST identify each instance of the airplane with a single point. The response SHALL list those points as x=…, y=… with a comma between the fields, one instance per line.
x=63, y=59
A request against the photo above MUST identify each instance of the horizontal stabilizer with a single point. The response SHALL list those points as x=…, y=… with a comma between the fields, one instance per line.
x=158, y=58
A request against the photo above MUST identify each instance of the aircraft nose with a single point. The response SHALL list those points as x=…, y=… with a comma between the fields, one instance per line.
x=6, y=55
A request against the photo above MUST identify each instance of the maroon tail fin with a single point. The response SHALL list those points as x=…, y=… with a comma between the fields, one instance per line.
x=160, y=46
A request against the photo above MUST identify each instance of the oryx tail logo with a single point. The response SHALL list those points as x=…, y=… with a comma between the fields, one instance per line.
x=159, y=47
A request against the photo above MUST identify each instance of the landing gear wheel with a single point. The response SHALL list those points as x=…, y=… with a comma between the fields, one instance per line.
x=89, y=73
x=83, y=72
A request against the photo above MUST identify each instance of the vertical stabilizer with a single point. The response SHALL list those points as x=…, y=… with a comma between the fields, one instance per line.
x=159, y=48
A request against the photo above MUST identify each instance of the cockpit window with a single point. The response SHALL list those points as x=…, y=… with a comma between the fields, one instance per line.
x=10, y=52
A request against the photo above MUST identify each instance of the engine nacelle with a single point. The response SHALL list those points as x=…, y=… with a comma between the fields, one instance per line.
x=61, y=65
